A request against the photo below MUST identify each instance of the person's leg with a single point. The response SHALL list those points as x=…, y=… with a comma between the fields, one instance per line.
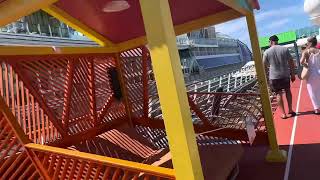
x=280, y=104
x=289, y=100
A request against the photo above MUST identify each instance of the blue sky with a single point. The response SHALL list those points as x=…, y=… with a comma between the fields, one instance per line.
x=275, y=16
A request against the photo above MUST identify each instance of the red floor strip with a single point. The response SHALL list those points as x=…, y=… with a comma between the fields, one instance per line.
x=308, y=124
x=305, y=159
x=284, y=126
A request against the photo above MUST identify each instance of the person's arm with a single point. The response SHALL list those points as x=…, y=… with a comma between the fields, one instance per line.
x=291, y=66
x=265, y=62
x=304, y=58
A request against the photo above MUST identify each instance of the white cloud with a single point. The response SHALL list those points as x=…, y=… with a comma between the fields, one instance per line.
x=277, y=13
x=276, y=24
x=232, y=27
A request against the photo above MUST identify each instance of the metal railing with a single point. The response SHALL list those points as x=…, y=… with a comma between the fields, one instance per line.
x=228, y=82
x=91, y=166
x=25, y=107
x=43, y=30
x=207, y=41
x=38, y=40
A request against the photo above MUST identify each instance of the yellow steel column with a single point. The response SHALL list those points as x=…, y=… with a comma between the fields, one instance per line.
x=275, y=154
x=171, y=89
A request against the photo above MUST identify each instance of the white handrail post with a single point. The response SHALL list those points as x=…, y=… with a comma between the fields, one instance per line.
x=39, y=29
x=228, y=86
x=209, y=86
x=28, y=30
x=50, y=31
x=220, y=81
x=195, y=90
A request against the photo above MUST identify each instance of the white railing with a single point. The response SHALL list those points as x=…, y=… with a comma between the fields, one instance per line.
x=37, y=40
x=228, y=82
x=42, y=30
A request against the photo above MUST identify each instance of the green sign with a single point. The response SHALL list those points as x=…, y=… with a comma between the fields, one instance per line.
x=284, y=38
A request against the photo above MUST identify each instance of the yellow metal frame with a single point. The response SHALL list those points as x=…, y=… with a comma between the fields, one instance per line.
x=23, y=50
x=104, y=160
x=207, y=21
x=275, y=154
x=165, y=60
x=171, y=88
x=127, y=45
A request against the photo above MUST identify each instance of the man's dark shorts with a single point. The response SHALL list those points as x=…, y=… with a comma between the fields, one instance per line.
x=277, y=85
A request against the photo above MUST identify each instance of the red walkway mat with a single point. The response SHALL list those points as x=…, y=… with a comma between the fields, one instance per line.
x=308, y=124
x=304, y=161
x=284, y=126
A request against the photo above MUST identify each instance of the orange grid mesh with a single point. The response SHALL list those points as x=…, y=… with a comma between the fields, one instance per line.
x=28, y=112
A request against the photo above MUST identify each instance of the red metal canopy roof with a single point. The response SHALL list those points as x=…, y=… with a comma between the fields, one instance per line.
x=128, y=24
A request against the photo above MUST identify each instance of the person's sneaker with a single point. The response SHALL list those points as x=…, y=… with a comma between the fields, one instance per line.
x=292, y=114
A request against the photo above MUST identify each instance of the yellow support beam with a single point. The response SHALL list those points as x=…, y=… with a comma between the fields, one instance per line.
x=275, y=154
x=171, y=88
x=12, y=10
x=77, y=25
x=24, y=50
x=207, y=21
x=134, y=43
x=235, y=4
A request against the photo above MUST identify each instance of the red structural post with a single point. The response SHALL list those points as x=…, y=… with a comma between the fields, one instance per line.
x=92, y=93
x=67, y=94
x=123, y=88
x=145, y=81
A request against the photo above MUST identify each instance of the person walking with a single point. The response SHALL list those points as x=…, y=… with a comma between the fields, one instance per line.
x=281, y=70
x=311, y=59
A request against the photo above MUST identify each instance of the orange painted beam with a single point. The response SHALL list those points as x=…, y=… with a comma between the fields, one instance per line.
x=119, y=67
x=106, y=161
x=68, y=93
x=105, y=108
x=145, y=81
x=92, y=92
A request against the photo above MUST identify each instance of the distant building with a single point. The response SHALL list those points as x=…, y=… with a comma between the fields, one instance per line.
x=206, y=51
x=40, y=23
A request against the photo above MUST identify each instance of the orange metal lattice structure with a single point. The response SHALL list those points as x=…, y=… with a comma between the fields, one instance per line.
x=67, y=101
x=104, y=101
x=61, y=101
